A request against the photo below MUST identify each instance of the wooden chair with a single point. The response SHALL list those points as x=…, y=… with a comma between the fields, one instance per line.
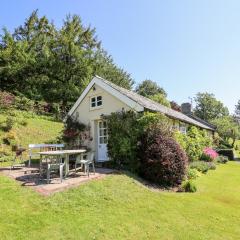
x=86, y=163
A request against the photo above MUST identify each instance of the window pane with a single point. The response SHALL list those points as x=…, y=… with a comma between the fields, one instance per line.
x=105, y=132
x=104, y=124
x=105, y=139
x=99, y=98
x=99, y=103
x=93, y=102
x=101, y=140
x=101, y=132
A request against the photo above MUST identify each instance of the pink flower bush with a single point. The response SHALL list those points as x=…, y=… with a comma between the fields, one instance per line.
x=209, y=152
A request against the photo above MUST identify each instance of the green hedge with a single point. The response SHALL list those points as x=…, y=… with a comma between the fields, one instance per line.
x=227, y=153
x=193, y=142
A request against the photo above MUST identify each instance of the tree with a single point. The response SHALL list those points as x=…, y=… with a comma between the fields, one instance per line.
x=104, y=66
x=237, y=109
x=175, y=106
x=208, y=107
x=149, y=88
x=227, y=128
x=160, y=98
x=42, y=62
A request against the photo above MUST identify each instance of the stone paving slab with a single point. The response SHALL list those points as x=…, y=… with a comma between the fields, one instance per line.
x=29, y=177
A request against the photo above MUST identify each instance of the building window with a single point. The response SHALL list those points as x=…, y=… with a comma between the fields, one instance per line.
x=175, y=126
x=183, y=128
x=96, y=101
x=99, y=101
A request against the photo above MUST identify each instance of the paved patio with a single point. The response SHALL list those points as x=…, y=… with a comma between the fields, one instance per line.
x=29, y=177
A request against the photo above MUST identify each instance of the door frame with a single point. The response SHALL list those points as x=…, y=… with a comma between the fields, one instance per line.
x=98, y=143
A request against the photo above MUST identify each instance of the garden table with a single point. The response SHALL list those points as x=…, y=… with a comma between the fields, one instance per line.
x=61, y=153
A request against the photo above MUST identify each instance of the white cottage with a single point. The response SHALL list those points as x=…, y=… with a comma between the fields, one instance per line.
x=102, y=97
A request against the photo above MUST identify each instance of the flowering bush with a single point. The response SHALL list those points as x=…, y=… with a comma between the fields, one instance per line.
x=209, y=154
x=6, y=100
x=194, y=142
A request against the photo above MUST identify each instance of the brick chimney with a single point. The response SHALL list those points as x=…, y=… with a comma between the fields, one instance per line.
x=186, y=108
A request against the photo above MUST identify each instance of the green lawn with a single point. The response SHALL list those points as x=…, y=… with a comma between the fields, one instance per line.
x=118, y=207
x=39, y=129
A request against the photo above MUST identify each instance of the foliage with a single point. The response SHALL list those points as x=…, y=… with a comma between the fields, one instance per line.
x=75, y=132
x=209, y=154
x=104, y=66
x=162, y=160
x=148, y=88
x=44, y=63
x=5, y=153
x=211, y=165
x=193, y=142
x=160, y=98
x=222, y=159
x=189, y=186
x=227, y=153
x=157, y=120
x=6, y=100
x=12, y=121
x=208, y=107
x=29, y=128
x=175, y=106
x=201, y=166
x=216, y=139
x=237, y=109
x=10, y=138
x=123, y=135
x=193, y=174
x=227, y=128
x=124, y=130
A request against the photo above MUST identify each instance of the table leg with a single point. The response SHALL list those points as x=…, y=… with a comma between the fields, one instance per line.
x=40, y=166
x=66, y=164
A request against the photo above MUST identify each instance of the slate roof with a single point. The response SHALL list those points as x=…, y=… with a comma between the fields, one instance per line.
x=151, y=105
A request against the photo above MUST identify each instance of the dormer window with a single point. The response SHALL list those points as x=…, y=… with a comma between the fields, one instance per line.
x=96, y=101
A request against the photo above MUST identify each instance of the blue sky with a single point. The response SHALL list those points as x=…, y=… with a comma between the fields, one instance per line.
x=186, y=46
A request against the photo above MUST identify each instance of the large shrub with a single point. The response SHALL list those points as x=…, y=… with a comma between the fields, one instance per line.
x=6, y=100
x=124, y=130
x=227, y=153
x=162, y=160
x=123, y=133
x=154, y=120
x=194, y=142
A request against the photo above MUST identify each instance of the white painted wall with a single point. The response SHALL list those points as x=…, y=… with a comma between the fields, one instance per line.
x=90, y=116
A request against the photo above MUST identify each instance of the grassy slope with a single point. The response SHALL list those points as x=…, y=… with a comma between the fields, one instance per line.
x=39, y=129
x=119, y=208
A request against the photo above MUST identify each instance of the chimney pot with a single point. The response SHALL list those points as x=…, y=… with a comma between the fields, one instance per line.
x=186, y=108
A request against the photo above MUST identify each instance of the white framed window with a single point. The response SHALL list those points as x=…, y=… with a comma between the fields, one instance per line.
x=96, y=102
x=183, y=128
x=175, y=126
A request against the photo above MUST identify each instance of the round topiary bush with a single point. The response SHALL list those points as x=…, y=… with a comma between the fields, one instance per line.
x=162, y=160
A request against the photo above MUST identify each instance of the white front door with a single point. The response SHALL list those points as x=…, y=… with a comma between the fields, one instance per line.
x=102, y=141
